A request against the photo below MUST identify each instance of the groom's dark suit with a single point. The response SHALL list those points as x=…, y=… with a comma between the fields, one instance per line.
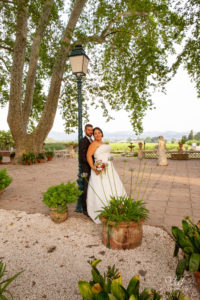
x=85, y=168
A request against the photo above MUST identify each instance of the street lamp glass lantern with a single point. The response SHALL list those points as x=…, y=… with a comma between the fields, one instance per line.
x=79, y=61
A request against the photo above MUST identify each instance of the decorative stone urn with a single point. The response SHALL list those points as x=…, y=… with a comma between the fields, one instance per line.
x=180, y=150
x=123, y=236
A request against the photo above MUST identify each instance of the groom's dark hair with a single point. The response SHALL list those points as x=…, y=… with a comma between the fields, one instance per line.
x=88, y=125
x=97, y=128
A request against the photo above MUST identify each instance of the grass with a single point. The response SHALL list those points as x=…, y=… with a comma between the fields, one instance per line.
x=115, y=146
x=148, y=146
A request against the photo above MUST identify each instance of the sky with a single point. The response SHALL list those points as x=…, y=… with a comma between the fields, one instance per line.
x=177, y=110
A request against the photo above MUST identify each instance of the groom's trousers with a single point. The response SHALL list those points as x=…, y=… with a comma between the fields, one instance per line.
x=84, y=195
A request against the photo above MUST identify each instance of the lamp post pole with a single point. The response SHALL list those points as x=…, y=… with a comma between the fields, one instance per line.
x=79, y=207
x=79, y=63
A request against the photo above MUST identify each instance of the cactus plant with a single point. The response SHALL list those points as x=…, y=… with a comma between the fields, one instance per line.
x=187, y=239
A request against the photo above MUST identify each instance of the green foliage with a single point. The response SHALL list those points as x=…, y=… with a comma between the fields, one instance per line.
x=54, y=146
x=6, y=140
x=12, y=154
x=190, y=135
x=197, y=136
x=28, y=158
x=109, y=287
x=124, y=209
x=182, y=141
x=58, y=196
x=40, y=156
x=128, y=43
x=193, y=141
x=49, y=153
x=188, y=239
x=176, y=295
x=148, y=146
x=5, y=179
x=4, y=283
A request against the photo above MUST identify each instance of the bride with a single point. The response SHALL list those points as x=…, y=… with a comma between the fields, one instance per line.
x=105, y=184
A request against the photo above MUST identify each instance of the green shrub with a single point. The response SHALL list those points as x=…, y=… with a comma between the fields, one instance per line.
x=5, y=282
x=54, y=146
x=5, y=179
x=190, y=142
x=40, y=156
x=49, y=153
x=58, y=196
x=28, y=157
x=12, y=154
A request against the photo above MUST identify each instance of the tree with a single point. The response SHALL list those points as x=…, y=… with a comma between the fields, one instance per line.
x=128, y=41
x=191, y=135
x=197, y=136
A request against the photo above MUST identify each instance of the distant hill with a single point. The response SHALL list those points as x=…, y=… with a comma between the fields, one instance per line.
x=118, y=135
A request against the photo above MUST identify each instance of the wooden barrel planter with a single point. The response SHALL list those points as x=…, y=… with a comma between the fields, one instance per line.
x=122, y=236
x=56, y=216
x=197, y=280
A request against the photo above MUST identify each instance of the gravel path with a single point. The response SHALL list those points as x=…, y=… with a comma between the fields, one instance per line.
x=54, y=256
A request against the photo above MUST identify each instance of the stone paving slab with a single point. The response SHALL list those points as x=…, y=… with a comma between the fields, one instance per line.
x=173, y=191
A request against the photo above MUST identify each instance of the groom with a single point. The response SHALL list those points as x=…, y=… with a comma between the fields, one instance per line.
x=85, y=167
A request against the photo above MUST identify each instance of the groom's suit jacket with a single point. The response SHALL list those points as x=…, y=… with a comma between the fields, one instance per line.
x=83, y=148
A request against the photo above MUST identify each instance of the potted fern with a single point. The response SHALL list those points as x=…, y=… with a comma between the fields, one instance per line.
x=5, y=180
x=57, y=197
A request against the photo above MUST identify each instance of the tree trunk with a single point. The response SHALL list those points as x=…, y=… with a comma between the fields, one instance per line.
x=18, y=116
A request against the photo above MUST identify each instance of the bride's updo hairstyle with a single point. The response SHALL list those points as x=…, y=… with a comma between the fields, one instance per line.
x=97, y=128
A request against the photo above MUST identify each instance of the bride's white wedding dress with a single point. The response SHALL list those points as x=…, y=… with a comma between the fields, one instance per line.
x=101, y=187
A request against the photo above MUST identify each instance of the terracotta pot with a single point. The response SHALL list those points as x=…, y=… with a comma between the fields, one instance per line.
x=56, y=216
x=1, y=192
x=123, y=236
x=49, y=158
x=42, y=160
x=197, y=279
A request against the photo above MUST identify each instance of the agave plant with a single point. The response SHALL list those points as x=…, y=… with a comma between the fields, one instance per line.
x=187, y=239
x=5, y=282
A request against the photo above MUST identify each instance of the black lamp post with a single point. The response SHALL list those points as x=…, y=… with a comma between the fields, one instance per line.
x=79, y=63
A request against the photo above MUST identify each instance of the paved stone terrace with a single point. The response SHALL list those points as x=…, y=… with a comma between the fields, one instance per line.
x=173, y=191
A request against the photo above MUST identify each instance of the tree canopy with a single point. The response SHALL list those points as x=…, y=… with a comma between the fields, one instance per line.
x=128, y=42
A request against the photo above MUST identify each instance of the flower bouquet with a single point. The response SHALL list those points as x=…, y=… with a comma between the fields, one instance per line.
x=100, y=166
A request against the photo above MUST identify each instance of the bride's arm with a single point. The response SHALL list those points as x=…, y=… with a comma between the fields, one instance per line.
x=92, y=148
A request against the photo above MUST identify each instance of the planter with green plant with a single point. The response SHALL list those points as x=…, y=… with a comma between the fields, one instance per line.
x=49, y=155
x=41, y=157
x=12, y=156
x=57, y=197
x=123, y=217
x=5, y=180
x=28, y=158
x=188, y=239
x=109, y=287
x=5, y=282
x=1, y=158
